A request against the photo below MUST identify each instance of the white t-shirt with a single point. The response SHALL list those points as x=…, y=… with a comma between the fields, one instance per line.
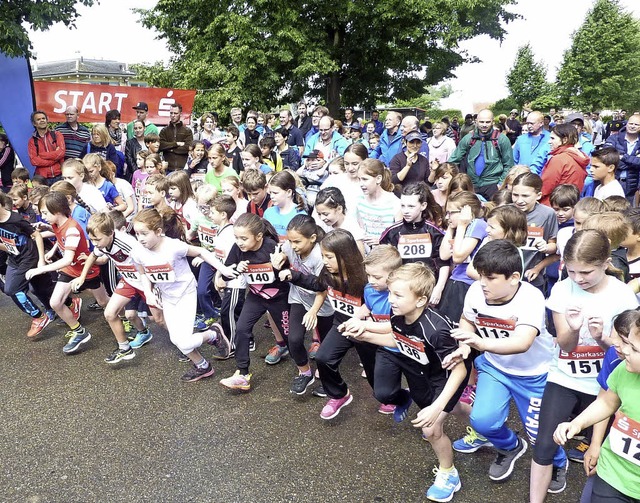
x=500, y=320
x=611, y=189
x=125, y=190
x=167, y=268
x=375, y=216
x=224, y=241
x=350, y=189
x=578, y=370
x=93, y=198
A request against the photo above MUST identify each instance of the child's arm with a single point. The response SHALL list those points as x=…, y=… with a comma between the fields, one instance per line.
x=436, y=294
x=602, y=408
x=597, y=438
x=427, y=416
x=209, y=258
x=462, y=245
x=446, y=249
x=37, y=237
x=568, y=326
x=535, y=271
x=65, y=261
x=383, y=336
x=521, y=341
x=78, y=282
x=310, y=319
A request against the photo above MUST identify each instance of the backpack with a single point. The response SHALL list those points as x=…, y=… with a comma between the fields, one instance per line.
x=464, y=163
x=53, y=140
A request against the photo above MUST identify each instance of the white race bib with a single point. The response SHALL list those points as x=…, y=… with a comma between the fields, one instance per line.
x=260, y=274
x=412, y=349
x=414, y=246
x=342, y=303
x=584, y=361
x=10, y=244
x=128, y=272
x=207, y=236
x=624, y=438
x=160, y=273
x=533, y=233
x=495, y=328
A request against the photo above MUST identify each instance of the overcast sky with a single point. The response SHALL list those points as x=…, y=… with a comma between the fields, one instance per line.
x=110, y=30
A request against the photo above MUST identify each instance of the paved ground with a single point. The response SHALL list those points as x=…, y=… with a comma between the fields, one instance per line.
x=77, y=430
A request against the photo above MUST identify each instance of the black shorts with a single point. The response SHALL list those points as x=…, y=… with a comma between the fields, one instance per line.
x=89, y=284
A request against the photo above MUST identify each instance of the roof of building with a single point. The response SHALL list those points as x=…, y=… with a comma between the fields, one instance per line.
x=82, y=66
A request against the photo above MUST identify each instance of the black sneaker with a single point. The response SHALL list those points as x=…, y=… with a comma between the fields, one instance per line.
x=119, y=355
x=320, y=392
x=300, y=384
x=220, y=343
x=502, y=467
x=95, y=306
x=558, y=479
x=195, y=373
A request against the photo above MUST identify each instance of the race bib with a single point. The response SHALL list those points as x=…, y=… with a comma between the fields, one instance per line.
x=260, y=274
x=584, y=361
x=207, y=236
x=495, y=328
x=197, y=177
x=415, y=246
x=624, y=438
x=342, y=303
x=533, y=233
x=10, y=245
x=160, y=273
x=128, y=272
x=219, y=253
x=380, y=318
x=410, y=348
x=145, y=202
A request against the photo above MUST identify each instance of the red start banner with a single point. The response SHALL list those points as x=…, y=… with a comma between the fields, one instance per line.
x=94, y=101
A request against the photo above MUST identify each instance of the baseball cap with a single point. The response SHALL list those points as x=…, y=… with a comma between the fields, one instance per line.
x=314, y=154
x=355, y=126
x=514, y=111
x=142, y=106
x=413, y=135
x=575, y=117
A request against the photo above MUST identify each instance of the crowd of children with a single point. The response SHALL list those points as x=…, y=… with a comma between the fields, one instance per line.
x=475, y=303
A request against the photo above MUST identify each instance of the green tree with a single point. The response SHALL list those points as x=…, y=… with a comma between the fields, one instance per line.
x=265, y=52
x=428, y=100
x=527, y=78
x=600, y=69
x=39, y=15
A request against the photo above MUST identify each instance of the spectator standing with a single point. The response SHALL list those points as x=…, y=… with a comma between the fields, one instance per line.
x=46, y=148
x=142, y=113
x=514, y=128
x=76, y=136
x=532, y=148
x=175, y=140
x=303, y=122
x=627, y=144
x=7, y=162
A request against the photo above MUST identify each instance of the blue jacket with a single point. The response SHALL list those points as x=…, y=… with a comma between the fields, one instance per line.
x=338, y=143
x=628, y=172
x=532, y=150
x=388, y=149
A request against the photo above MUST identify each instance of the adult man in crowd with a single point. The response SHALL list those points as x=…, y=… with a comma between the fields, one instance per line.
x=76, y=136
x=46, y=148
x=514, y=128
x=532, y=148
x=390, y=140
x=327, y=140
x=295, y=138
x=236, y=119
x=484, y=155
x=468, y=125
x=175, y=139
x=349, y=119
x=598, y=129
x=627, y=144
x=375, y=118
x=142, y=112
x=318, y=113
x=303, y=122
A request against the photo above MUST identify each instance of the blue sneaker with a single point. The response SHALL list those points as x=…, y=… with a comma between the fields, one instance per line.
x=276, y=353
x=141, y=339
x=77, y=338
x=471, y=442
x=400, y=413
x=445, y=485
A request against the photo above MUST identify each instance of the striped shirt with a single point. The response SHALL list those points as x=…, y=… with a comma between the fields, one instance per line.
x=75, y=140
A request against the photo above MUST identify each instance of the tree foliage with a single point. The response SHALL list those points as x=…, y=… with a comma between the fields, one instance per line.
x=527, y=78
x=264, y=52
x=39, y=15
x=504, y=106
x=600, y=69
x=428, y=100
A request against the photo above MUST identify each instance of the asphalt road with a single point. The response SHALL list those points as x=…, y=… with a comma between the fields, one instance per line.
x=75, y=429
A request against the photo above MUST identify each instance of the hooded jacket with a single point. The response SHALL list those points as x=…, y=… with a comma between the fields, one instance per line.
x=628, y=172
x=566, y=164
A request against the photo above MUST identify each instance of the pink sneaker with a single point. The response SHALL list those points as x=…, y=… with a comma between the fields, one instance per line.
x=469, y=394
x=334, y=406
x=386, y=409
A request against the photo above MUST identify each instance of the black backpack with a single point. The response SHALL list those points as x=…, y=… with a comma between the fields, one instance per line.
x=53, y=140
x=464, y=162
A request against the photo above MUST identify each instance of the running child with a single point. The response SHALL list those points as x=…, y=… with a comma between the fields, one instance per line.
x=231, y=186
x=255, y=185
x=418, y=344
x=140, y=174
x=218, y=168
x=25, y=250
x=74, y=248
x=19, y=194
x=169, y=284
x=286, y=202
x=156, y=188
x=442, y=177
x=252, y=159
x=308, y=310
x=604, y=164
x=75, y=172
x=256, y=240
x=197, y=163
x=331, y=213
x=80, y=211
x=98, y=174
x=583, y=307
x=504, y=318
x=181, y=197
x=152, y=166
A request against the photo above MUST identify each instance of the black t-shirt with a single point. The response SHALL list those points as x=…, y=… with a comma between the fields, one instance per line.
x=15, y=234
x=416, y=242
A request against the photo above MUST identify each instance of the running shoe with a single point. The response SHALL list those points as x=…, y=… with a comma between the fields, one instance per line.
x=471, y=442
x=141, y=339
x=77, y=338
x=386, y=408
x=252, y=345
x=38, y=325
x=220, y=343
x=301, y=383
x=335, y=405
x=469, y=394
x=319, y=392
x=119, y=355
x=445, y=485
x=502, y=467
x=313, y=349
x=577, y=453
x=76, y=306
x=196, y=373
x=400, y=414
x=237, y=381
x=94, y=306
x=276, y=353
x=558, y=479
x=202, y=325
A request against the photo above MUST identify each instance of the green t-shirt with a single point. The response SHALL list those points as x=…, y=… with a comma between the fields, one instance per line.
x=216, y=180
x=619, y=463
x=206, y=230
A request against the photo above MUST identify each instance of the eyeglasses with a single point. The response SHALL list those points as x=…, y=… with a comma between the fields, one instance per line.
x=449, y=213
